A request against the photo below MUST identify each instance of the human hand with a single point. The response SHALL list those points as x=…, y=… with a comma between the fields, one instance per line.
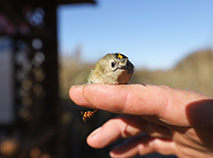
x=177, y=122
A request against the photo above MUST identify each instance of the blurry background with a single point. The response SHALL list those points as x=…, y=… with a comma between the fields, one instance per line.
x=47, y=46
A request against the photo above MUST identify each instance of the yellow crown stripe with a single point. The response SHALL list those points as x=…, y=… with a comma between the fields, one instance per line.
x=120, y=56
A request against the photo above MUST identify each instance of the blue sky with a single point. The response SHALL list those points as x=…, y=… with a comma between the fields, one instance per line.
x=154, y=34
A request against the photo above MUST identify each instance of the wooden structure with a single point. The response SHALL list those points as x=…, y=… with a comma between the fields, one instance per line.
x=31, y=28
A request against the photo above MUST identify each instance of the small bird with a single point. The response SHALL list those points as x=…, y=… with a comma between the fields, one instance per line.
x=114, y=68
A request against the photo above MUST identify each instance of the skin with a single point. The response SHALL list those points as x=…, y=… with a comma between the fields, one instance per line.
x=176, y=122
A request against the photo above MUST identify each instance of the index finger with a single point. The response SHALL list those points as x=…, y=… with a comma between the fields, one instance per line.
x=166, y=103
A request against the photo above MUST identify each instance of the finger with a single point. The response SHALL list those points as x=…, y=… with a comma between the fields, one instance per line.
x=143, y=145
x=118, y=98
x=123, y=127
x=167, y=104
x=76, y=95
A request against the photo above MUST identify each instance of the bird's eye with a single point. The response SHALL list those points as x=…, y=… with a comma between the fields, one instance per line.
x=113, y=64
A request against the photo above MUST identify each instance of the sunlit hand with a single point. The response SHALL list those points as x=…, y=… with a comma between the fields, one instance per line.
x=175, y=121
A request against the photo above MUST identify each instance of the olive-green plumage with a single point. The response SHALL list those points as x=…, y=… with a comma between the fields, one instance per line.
x=112, y=69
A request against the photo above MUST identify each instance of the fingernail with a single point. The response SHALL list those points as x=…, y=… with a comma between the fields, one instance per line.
x=95, y=133
x=115, y=151
x=74, y=86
